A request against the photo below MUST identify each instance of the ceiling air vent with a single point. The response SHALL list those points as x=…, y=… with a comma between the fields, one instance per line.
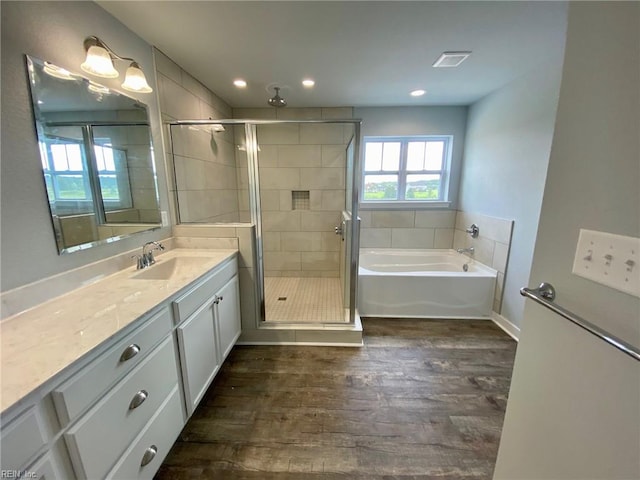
x=451, y=59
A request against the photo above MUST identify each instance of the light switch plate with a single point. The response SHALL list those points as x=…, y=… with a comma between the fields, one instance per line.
x=164, y=215
x=609, y=259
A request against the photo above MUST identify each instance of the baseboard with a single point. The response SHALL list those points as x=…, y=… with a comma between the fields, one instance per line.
x=511, y=329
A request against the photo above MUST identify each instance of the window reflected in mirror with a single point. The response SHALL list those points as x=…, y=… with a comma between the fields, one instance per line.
x=97, y=158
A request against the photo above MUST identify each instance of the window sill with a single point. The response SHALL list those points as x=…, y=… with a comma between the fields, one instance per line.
x=404, y=205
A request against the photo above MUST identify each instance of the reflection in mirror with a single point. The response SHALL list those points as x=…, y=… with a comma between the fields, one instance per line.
x=97, y=158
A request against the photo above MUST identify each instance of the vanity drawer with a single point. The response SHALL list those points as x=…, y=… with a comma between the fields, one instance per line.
x=21, y=440
x=98, y=439
x=203, y=292
x=149, y=449
x=78, y=393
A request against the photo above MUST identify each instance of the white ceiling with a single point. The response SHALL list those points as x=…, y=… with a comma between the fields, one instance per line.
x=360, y=53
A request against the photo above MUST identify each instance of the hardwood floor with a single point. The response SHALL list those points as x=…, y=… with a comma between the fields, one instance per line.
x=422, y=399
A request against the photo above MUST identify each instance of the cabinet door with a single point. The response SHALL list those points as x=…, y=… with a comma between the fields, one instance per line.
x=228, y=311
x=43, y=469
x=198, y=353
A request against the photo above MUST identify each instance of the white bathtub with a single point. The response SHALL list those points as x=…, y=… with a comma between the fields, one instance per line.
x=423, y=283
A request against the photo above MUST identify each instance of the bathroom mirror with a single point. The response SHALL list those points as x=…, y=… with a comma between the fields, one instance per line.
x=97, y=158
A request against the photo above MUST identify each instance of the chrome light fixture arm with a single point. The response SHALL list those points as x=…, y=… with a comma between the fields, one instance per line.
x=93, y=41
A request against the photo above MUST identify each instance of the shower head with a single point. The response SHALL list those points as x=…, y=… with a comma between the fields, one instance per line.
x=277, y=101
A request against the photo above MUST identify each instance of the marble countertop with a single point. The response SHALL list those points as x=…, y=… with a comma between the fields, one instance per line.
x=41, y=342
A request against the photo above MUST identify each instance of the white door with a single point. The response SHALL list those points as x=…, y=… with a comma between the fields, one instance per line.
x=574, y=406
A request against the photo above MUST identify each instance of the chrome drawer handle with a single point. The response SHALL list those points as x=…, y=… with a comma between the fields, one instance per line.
x=149, y=454
x=138, y=399
x=129, y=352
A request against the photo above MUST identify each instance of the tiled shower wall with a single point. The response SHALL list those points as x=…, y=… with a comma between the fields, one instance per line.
x=299, y=239
x=206, y=177
x=206, y=174
x=491, y=247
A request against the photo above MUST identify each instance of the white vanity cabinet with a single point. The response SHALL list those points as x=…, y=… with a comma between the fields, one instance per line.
x=22, y=439
x=208, y=319
x=116, y=412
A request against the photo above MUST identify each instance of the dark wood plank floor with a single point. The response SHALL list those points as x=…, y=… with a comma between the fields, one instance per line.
x=422, y=399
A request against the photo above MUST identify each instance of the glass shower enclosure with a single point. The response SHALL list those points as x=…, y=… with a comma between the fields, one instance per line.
x=294, y=181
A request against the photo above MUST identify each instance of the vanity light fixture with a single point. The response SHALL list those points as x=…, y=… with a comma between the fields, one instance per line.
x=417, y=93
x=308, y=83
x=99, y=62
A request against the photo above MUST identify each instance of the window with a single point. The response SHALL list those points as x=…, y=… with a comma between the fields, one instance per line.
x=406, y=169
x=67, y=178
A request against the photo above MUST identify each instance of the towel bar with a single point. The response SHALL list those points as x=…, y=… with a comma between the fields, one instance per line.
x=545, y=294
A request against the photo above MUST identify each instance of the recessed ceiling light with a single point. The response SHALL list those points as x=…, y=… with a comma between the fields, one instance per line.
x=418, y=93
x=308, y=83
x=240, y=83
x=451, y=59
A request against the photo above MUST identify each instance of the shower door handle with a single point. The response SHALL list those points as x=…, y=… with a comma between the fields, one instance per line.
x=339, y=229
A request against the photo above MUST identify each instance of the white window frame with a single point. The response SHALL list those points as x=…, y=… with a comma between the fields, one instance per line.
x=401, y=202
x=84, y=205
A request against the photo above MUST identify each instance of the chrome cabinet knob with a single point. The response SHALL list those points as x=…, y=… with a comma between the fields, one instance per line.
x=129, y=352
x=149, y=454
x=138, y=399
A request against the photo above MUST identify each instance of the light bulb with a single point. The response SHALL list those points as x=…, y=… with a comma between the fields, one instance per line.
x=98, y=62
x=135, y=81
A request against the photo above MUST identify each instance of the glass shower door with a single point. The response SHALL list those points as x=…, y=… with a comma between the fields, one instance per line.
x=302, y=180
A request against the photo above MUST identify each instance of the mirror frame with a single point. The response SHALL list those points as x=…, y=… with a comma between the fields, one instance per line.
x=40, y=134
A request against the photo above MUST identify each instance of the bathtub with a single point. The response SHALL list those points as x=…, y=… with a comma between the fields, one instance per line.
x=423, y=283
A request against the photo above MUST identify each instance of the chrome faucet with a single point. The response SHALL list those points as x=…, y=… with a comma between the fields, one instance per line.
x=469, y=250
x=147, y=259
x=147, y=255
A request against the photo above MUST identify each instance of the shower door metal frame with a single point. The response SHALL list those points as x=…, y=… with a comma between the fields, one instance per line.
x=254, y=202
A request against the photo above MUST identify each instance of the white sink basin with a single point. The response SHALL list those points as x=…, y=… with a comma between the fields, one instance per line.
x=167, y=269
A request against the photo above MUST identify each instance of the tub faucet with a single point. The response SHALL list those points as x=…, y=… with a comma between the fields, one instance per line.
x=147, y=254
x=469, y=250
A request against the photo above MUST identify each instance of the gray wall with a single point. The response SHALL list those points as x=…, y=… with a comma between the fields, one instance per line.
x=593, y=180
x=53, y=31
x=506, y=153
x=573, y=405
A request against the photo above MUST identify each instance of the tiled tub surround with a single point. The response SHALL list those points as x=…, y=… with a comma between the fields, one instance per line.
x=406, y=228
x=491, y=247
x=41, y=342
x=441, y=229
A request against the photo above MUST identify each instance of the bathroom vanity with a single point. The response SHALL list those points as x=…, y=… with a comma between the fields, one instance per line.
x=99, y=382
